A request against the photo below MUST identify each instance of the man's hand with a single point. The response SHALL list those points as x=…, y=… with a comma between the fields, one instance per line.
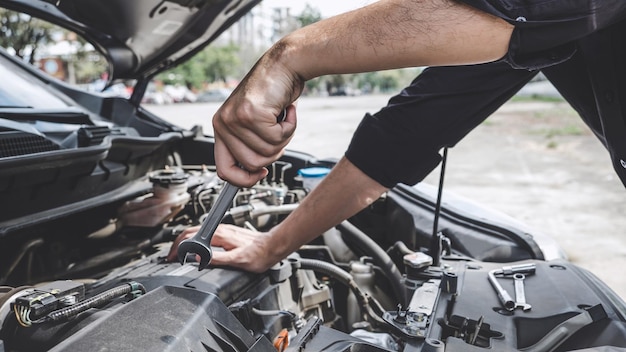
x=386, y=34
x=248, y=136
x=244, y=249
x=320, y=210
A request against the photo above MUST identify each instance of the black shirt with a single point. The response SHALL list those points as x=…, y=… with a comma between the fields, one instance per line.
x=581, y=49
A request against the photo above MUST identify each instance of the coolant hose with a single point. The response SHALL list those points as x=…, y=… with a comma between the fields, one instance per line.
x=331, y=270
x=401, y=248
x=373, y=310
x=380, y=257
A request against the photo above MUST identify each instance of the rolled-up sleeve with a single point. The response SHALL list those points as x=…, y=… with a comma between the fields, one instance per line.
x=401, y=142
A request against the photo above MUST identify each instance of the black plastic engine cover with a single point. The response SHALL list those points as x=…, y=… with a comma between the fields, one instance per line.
x=168, y=319
x=182, y=305
x=557, y=291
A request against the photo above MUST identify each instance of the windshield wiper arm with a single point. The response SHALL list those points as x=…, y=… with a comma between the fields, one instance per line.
x=58, y=116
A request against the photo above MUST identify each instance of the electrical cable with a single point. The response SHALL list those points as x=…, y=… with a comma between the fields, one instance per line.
x=96, y=301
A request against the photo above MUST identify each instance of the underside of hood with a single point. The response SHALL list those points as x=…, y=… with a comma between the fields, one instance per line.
x=140, y=37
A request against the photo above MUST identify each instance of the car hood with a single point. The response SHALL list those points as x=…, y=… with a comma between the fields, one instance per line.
x=140, y=37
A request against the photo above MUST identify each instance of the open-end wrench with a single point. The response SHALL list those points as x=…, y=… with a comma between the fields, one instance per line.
x=520, y=295
x=503, y=295
x=200, y=243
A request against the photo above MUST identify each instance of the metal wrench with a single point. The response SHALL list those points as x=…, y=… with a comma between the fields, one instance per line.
x=520, y=295
x=200, y=243
x=503, y=295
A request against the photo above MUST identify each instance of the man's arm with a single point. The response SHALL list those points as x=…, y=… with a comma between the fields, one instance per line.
x=403, y=137
x=387, y=34
x=393, y=34
x=320, y=210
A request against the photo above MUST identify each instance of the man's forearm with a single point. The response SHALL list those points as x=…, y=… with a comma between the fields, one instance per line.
x=393, y=34
x=386, y=34
x=325, y=207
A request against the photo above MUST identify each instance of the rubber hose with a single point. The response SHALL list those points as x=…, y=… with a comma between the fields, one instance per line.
x=337, y=273
x=402, y=248
x=380, y=257
x=362, y=298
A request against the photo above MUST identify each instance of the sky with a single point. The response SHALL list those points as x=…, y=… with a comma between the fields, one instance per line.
x=327, y=7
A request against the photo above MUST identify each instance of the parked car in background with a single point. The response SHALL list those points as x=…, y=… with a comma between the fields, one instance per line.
x=213, y=95
x=179, y=93
x=94, y=188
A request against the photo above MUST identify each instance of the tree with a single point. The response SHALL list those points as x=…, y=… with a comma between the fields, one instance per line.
x=213, y=64
x=24, y=34
x=220, y=62
x=308, y=16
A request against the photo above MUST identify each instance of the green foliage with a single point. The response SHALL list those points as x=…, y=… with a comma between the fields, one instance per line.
x=390, y=80
x=213, y=64
x=89, y=68
x=308, y=16
x=22, y=33
x=381, y=81
x=25, y=36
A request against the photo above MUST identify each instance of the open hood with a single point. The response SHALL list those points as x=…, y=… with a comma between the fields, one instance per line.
x=140, y=37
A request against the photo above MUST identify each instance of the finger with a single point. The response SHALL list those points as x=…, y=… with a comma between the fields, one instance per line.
x=229, y=169
x=247, y=158
x=257, y=127
x=254, y=144
x=268, y=128
x=172, y=256
x=241, y=258
x=224, y=258
x=230, y=237
x=234, y=139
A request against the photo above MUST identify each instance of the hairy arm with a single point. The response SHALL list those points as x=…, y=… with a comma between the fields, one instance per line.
x=318, y=212
x=387, y=34
x=394, y=34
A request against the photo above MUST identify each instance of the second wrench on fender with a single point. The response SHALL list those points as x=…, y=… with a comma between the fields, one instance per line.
x=520, y=294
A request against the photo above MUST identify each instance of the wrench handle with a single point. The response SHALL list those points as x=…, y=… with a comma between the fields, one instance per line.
x=503, y=295
x=200, y=243
x=520, y=295
x=214, y=217
x=222, y=204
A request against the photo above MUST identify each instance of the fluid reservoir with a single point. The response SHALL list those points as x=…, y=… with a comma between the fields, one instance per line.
x=312, y=176
x=169, y=196
x=364, y=276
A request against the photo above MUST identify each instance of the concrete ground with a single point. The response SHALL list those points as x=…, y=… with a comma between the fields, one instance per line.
x=532, y=160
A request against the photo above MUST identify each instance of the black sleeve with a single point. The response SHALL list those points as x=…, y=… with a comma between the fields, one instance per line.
x=401, y=142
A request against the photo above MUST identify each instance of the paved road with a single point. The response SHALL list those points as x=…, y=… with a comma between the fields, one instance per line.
x=533, y=161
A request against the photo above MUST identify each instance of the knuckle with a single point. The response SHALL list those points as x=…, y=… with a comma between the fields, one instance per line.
x=253, y=164
x=243, y=113
x=276, y=140
x=223, y=175
x=266, y=150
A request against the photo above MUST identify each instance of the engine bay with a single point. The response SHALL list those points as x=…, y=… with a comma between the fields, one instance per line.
x=371, y=284
x=95, y=190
